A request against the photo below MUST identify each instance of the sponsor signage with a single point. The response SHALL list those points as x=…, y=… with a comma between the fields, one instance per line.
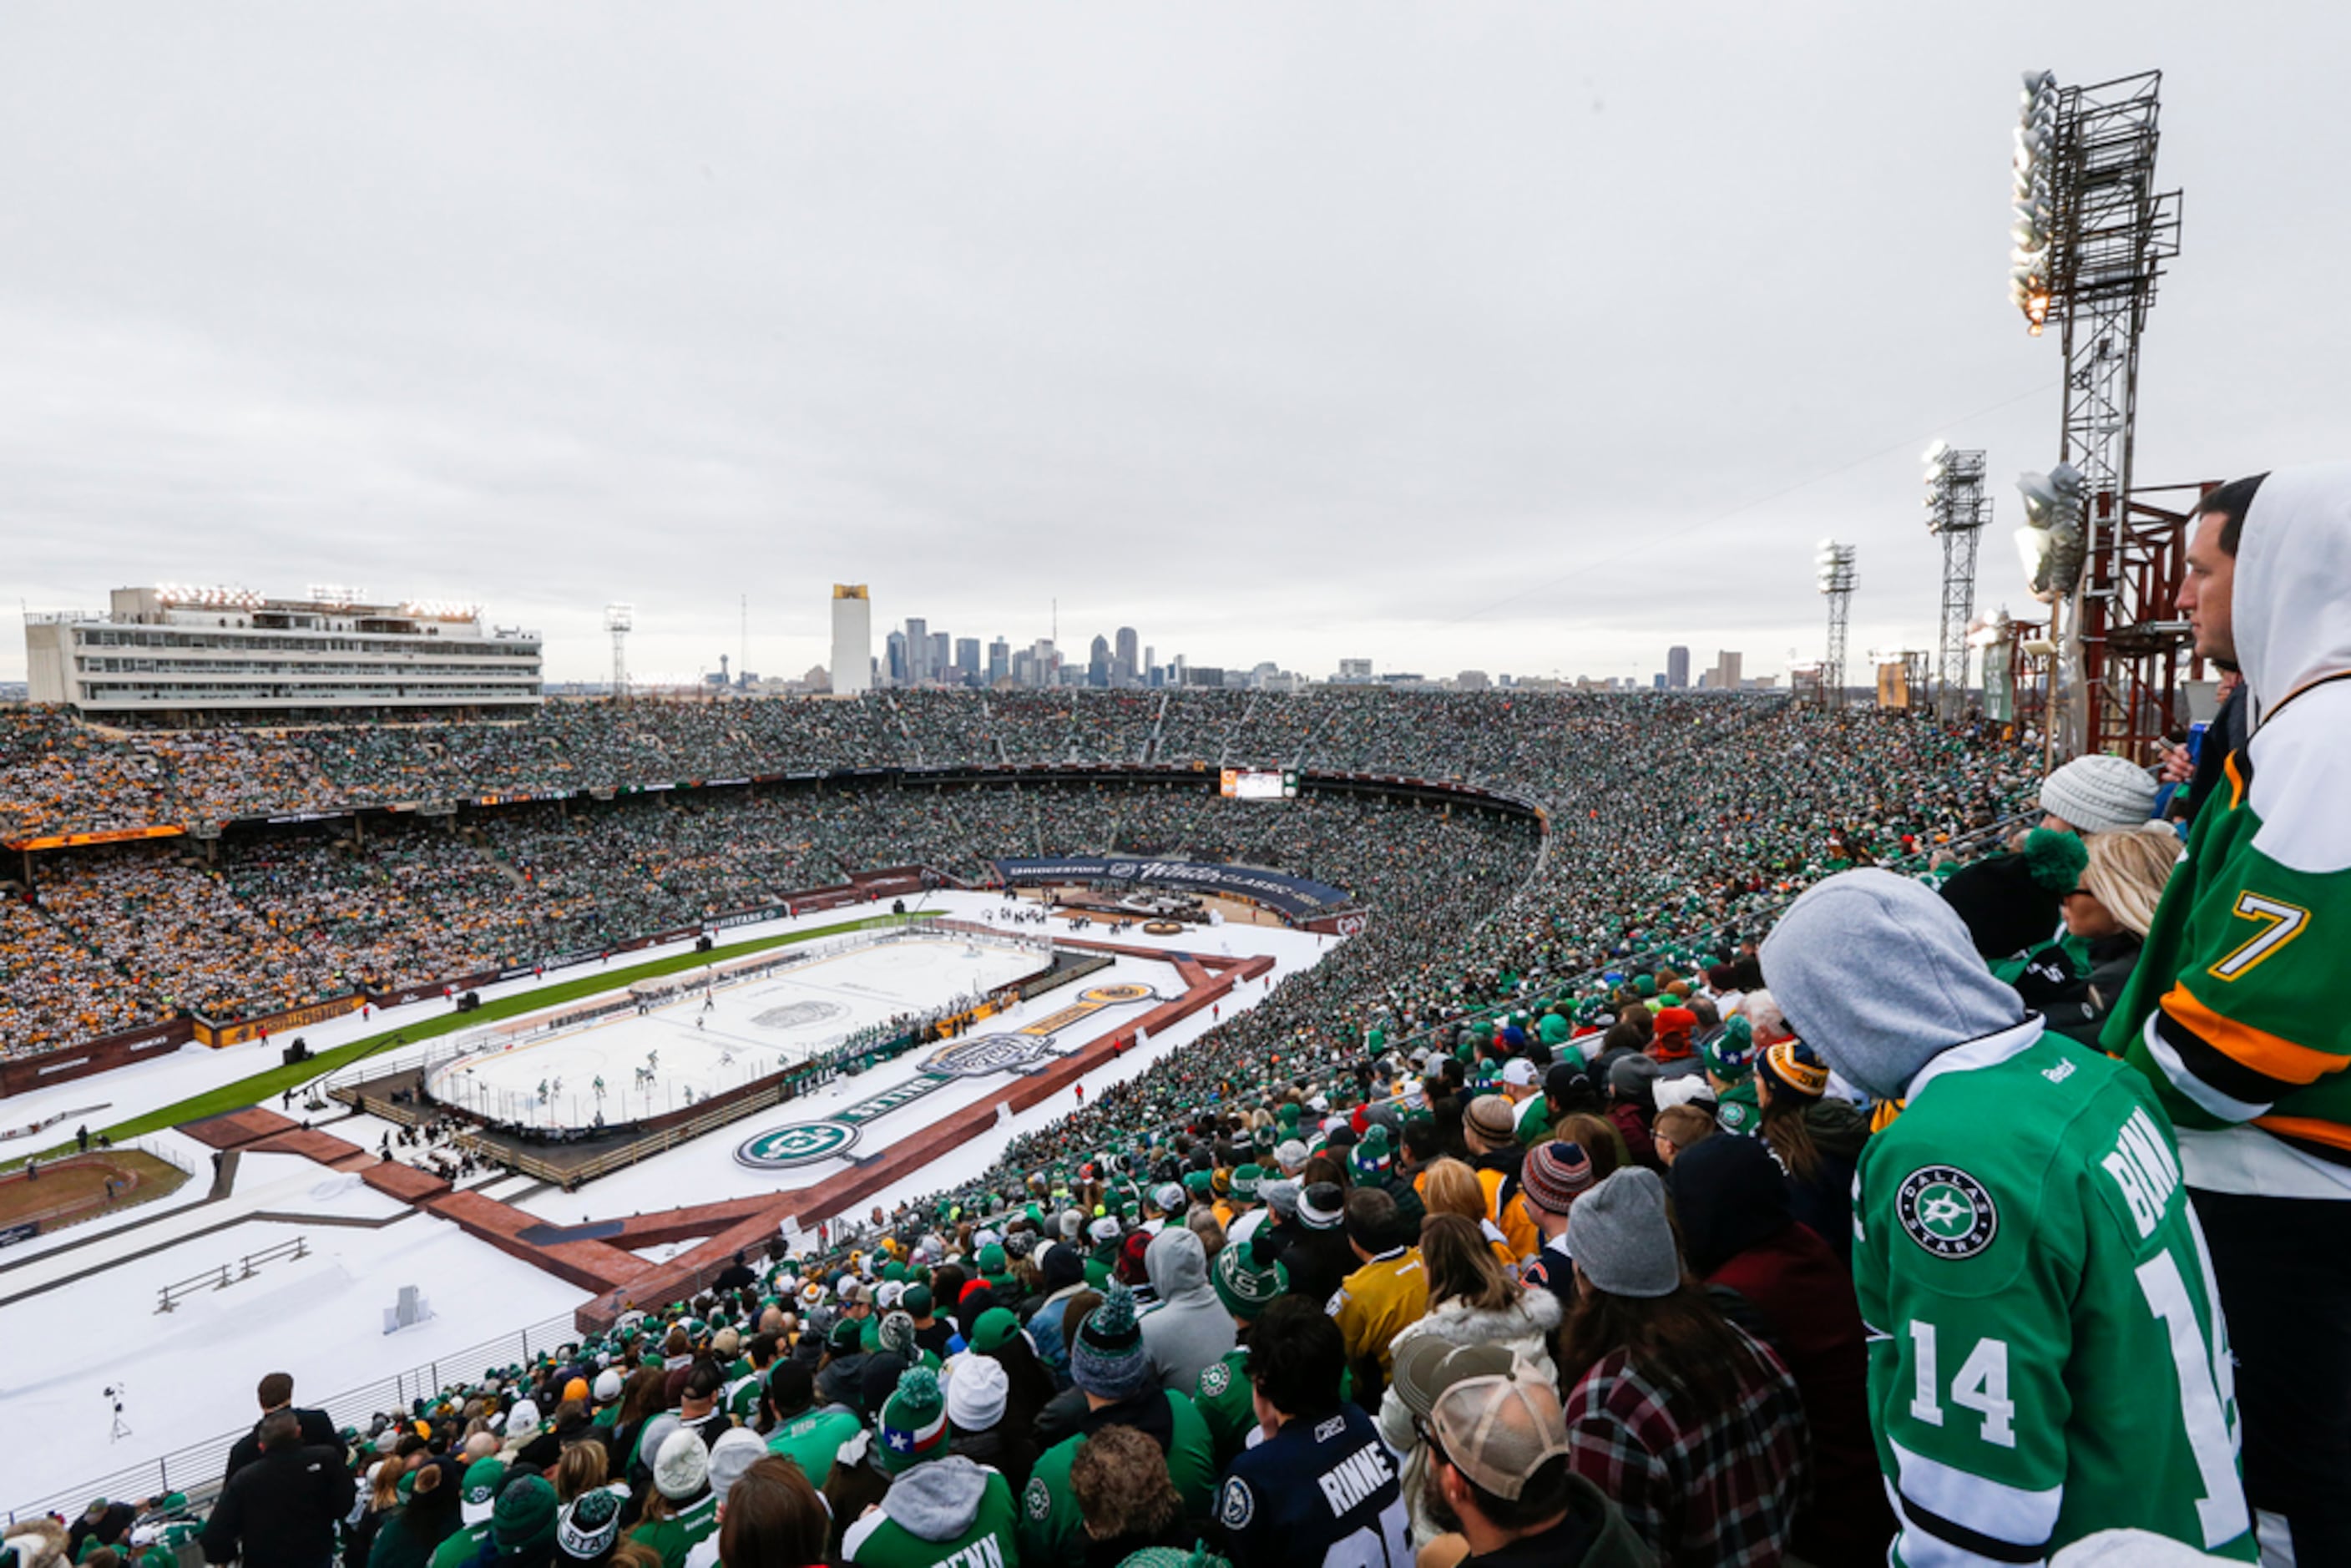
x=277, y=1023
x=110, y=836
x=1289, y=895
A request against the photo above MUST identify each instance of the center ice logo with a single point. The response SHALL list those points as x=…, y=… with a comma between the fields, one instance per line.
x=796, y=1144
x=990, y=1053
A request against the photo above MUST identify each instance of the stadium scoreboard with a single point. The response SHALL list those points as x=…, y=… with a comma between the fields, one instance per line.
x=1258, y=784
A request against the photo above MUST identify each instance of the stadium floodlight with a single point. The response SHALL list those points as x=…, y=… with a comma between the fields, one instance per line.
x=2051, y=542
x=2033, y=208
x=209, y=598
x=441, y=610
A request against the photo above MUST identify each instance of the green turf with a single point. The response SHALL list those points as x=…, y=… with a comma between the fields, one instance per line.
x=273, y=1082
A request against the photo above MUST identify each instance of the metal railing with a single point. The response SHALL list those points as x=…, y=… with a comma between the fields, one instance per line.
x=229, y=1274
x=196, y=1468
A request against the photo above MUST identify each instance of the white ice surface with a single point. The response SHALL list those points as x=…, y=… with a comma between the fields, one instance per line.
x=746, y=1031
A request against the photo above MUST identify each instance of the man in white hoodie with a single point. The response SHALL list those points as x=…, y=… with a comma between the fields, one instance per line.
x=2234, y=1012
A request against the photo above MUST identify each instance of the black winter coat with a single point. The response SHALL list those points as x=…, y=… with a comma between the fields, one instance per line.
x=281, y=1511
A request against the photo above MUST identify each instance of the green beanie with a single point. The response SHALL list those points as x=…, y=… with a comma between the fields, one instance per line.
x=913, y=1422
x=524, y=1521
x=1245, y=1182
x=1245, y=1287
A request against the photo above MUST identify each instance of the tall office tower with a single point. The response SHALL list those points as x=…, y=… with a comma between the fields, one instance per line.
x=853, y=640
x=1677, y=668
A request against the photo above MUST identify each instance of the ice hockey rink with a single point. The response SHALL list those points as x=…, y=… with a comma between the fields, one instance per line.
x=678, y=1052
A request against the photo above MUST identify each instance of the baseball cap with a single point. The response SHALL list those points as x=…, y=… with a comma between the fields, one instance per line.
x=1427, y=1364
x=1498, y=1430
x=483, y=1479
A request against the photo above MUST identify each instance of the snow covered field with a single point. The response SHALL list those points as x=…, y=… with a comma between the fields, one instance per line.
x=191, y=1374
x=188, y=1375
x=692, y=1047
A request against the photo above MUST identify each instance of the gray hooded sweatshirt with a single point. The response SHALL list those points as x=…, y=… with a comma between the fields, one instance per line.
x=936, y=1500
x=1189, y=1330
x=1878, y=974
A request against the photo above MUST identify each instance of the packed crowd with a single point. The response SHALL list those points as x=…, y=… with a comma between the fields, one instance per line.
x=59, y=777
x=285, y=919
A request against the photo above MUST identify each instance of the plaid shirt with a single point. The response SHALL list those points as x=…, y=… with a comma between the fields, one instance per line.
x=1708, y=1490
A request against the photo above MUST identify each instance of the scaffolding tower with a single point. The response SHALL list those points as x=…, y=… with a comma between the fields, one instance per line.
x=620, y=620
x=1957, y=511
x=2093, y=234
x=1835, y=565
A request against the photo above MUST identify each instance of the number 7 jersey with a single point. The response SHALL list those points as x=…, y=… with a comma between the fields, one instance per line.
x=2047, y=1356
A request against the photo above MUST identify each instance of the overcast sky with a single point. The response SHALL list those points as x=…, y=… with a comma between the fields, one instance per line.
x=1526, y=339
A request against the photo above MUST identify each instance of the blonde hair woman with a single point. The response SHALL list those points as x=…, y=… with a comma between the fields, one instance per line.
x=1449, y=1186
x=2075, y=983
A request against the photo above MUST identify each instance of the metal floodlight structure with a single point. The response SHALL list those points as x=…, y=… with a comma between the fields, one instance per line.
x=1956, y=512
x=2092, y=234
x=620, y=620
x=1832, y=566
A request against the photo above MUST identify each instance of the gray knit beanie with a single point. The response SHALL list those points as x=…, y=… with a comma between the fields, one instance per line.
x=2100, y=794
x=1618, y=1235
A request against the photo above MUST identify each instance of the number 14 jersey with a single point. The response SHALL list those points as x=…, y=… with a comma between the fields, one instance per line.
x=2047, y=1354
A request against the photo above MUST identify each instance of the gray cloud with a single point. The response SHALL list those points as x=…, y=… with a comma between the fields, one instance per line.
x=1503, y=336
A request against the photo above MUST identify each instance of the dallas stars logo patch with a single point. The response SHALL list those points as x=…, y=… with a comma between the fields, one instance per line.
x=1947, y=1211
x=1038, y=1499
x=1215, y=1379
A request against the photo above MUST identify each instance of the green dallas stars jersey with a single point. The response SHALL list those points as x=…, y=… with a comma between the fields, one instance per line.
x=2046, y=1353
x=1052, y=1531
x=1224, y=1398
x=2232, y=1010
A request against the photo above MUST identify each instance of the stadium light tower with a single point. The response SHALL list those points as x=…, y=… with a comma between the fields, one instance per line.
x=1957, y=511
x=2092, y=235
x=1833, y=564
x=620, y=620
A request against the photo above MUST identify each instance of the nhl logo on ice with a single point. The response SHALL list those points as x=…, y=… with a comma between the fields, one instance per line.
x=796, y=1144
x=989, y=1053
x=1947, y=1211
